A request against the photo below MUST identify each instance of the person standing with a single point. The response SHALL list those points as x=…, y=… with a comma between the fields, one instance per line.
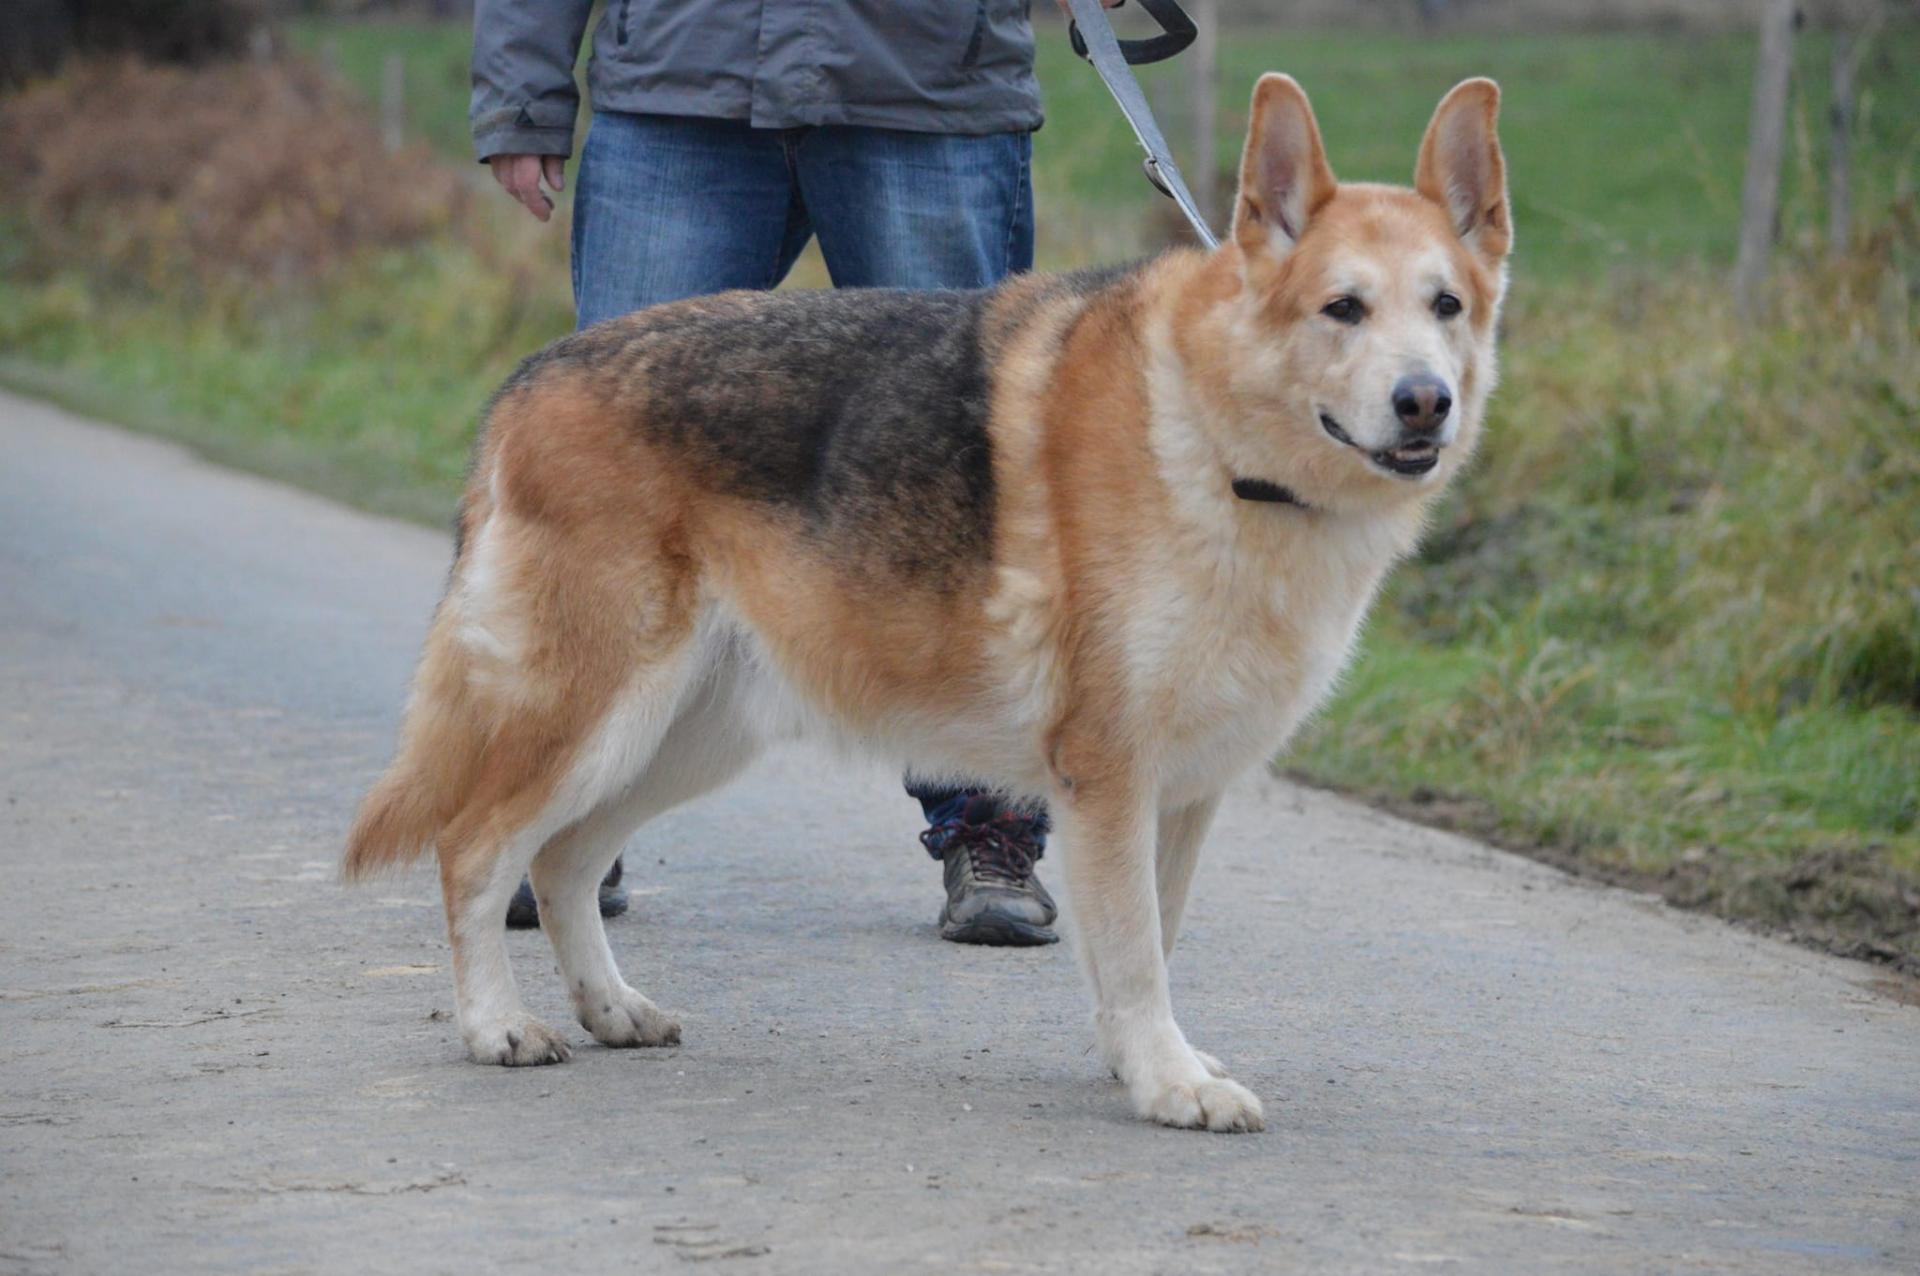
x=726, y=134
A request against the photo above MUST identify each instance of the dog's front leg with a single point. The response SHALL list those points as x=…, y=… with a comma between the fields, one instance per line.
x=1182, y=829
x=1109, y=840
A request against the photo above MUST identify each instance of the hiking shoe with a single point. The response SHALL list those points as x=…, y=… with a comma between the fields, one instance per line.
x=993, y=896
x=523, y=911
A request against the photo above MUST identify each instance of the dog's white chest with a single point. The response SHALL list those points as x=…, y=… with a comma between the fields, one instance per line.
x=1229, y=667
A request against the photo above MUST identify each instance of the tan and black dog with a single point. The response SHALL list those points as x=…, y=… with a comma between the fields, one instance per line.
x=1100, y=539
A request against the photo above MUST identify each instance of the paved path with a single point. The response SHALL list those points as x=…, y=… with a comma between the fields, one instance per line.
x=214, y=1058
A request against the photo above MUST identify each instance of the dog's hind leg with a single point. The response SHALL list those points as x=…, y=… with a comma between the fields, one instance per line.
x=573, y=609
x=582, y=660
x=709, y=742
x=566, y=875
x=480, y=871
x=497, y=1027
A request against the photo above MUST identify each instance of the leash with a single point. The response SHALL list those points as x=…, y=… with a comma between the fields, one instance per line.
x=1093, y=39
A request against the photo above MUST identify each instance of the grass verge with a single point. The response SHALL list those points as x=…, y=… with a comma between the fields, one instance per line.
x=1668, y=631
x=365, y=387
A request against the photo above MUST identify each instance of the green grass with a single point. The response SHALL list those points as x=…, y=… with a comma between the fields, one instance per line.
x=1581, y=744
x=435, y=58
x=1667, y=631
x=367, y=389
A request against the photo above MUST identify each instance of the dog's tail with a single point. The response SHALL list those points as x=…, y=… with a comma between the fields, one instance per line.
x=441, y=743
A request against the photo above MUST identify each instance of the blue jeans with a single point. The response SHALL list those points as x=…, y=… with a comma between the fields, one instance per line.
x=667, y=207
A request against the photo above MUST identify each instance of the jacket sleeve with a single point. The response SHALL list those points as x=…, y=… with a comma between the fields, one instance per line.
x=524, y=98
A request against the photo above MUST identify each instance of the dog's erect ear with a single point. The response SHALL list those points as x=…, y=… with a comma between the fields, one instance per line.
x=1461, y=168
x=1284, y=178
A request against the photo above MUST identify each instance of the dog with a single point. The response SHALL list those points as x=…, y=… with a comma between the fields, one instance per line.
x=1100, y=539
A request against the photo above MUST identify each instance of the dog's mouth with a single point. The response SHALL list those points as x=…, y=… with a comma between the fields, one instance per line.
x=1408, y=460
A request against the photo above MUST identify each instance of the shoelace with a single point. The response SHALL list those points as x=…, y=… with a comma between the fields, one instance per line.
x=1000, y=848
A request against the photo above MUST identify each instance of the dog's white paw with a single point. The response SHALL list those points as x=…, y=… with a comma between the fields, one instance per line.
x=625, y=1018
x=521, y=1043
x=1217, y=1103
x=1213, y=1066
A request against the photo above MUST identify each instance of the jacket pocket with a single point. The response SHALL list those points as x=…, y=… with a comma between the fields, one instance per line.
x=978, y=38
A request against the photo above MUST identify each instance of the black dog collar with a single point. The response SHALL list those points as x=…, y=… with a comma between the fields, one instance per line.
x=1252, y=489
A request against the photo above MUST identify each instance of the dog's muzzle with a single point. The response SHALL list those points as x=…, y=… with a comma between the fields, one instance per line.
x=1411, y=457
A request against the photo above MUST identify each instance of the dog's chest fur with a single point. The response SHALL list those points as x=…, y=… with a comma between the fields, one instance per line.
x=1246, y=611
x=1227, y=663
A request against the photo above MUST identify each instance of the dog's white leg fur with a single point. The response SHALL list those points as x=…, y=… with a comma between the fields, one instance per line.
x=1182, y=830
x=565, y=876
x=1109, y=853
x=493, y=1021
x=707, y=745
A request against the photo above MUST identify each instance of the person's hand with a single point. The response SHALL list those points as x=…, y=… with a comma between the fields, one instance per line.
x=520, y=175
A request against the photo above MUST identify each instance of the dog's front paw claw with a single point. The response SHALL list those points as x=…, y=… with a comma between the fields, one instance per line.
x=1217, y=1104
x=629, y=1019
x=526, y=1044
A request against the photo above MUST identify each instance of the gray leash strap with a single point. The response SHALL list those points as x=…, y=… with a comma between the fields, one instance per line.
x=1103, y=51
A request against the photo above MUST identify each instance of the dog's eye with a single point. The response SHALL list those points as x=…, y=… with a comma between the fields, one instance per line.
x=1344, y=309
x=1446, y=305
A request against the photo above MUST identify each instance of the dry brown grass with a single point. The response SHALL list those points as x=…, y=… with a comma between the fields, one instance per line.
x=257, y=171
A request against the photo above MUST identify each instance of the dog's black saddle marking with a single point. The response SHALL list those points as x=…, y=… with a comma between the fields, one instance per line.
x=865, y=411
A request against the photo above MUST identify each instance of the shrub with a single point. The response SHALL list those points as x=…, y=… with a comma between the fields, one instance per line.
x=42, y=34
x=251, y=172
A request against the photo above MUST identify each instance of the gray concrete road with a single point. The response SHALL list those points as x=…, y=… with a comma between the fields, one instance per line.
x=214, y=1058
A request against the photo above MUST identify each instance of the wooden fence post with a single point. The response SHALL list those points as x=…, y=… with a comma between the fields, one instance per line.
x=1840, y=142
x=1766, y=131
x=393, y=101
x=1860, y=23
x=1203, y=88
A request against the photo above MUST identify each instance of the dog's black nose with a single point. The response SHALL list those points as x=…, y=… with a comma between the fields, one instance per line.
x=1422, y=401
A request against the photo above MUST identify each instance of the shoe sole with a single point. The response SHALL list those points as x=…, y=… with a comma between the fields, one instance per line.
x=611, y=906
x=997, y=932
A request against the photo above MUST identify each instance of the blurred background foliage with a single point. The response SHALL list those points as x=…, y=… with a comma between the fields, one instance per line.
x=1668, y=630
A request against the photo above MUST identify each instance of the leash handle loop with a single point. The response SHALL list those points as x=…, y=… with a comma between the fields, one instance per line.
x=1176, y=33
x=1104, y=52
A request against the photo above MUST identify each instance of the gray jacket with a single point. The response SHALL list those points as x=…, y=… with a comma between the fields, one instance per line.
x=927, y=66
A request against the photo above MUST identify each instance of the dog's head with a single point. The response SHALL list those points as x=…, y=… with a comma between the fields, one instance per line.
x=1359, y=349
